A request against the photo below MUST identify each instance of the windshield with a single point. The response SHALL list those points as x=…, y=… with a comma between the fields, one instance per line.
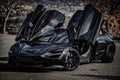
x=54, y=36
x=44, y=39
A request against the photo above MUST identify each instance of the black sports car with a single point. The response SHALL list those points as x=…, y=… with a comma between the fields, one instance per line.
x=42, y=41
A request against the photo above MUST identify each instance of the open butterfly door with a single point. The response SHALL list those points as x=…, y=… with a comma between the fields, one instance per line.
x=30, y=21
x=51, y=18
x=87, y=25
x=37, y=20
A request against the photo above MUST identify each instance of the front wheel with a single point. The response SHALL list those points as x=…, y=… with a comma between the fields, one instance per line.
x=72, y=59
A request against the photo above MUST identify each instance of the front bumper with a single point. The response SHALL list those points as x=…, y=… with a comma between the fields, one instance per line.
x=35, y=60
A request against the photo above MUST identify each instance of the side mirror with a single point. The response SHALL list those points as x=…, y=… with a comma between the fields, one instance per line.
x=105, y=32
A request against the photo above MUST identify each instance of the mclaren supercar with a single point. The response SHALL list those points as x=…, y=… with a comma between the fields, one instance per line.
x=42, y=40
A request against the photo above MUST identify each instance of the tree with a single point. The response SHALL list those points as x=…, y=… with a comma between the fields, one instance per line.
x=6, y=6
x=111, y=12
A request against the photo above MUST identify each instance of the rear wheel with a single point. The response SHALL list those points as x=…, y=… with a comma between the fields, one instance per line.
x=72, y=60
x=109, y=53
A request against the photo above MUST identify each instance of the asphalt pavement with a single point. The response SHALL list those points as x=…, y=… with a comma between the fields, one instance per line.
x=91, y=71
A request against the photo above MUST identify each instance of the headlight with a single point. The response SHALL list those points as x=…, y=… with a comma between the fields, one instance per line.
x=10, y=52
x=14, y=49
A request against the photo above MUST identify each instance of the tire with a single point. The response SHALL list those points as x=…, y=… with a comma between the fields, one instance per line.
x=108, y=57
x=72, y=60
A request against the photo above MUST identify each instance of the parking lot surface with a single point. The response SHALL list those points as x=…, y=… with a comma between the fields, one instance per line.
x=91, y=71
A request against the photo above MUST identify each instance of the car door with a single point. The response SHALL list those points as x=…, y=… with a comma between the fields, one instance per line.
x=72, y=25
x=30, y=21
x=88, y=26
x=22, y=34
x=51, y=18
x=29, y=30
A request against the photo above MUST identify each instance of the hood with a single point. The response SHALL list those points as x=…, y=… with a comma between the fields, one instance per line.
x=37, y=20
x=24, y=49
x=87, y=26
